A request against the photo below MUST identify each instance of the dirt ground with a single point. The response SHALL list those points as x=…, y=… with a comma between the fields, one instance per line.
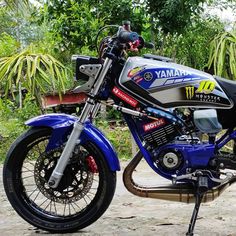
x=132, y=215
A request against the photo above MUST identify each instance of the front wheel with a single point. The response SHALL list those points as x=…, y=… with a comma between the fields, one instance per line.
x=82, y=196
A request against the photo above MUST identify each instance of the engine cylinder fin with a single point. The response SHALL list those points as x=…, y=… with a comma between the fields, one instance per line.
x=179, y=192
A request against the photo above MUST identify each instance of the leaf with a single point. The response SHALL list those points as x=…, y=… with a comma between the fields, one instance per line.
x=28, y=70
x=34, y=66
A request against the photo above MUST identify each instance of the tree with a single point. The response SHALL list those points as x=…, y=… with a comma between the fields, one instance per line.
x=16, y=20
x=116, y=11
x=71, y=22
x=173, y=16
x=75, y=23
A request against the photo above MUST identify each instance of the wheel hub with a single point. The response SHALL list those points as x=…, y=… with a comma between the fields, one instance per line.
x=75, y=182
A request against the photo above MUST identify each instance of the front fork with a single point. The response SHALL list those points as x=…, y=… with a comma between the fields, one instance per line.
x=90, y=106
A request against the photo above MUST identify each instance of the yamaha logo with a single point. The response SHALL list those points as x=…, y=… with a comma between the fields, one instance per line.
x=148, y=76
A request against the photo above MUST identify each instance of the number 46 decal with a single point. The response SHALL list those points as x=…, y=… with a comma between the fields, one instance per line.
x=206, y=87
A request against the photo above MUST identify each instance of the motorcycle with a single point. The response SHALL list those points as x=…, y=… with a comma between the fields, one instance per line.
x=60, y=175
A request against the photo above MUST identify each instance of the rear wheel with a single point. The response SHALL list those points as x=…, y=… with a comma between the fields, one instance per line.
x=82, y=196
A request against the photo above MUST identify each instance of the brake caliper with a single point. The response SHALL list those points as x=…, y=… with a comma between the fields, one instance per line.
x=92, y=164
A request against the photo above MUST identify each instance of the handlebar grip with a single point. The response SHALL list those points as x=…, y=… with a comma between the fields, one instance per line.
x=126, y=36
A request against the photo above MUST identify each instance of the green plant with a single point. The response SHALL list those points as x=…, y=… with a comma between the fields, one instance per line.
x=29, y=109
x=119, y=136
x=37, y=72
x=8, y=45
x=12, y=121
x=192, y=46
x=223, y=55
x=174, y=16
x=10, y=129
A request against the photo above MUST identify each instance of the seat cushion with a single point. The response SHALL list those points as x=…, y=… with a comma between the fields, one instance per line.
x=227, y=117
x=229, y=86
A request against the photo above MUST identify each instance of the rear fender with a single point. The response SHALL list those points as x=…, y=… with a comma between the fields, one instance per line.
x=62, y=126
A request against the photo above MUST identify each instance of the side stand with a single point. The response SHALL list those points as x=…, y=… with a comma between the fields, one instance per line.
x=202, y=188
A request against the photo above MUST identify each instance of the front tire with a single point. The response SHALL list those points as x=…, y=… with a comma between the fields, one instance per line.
x=84, y=192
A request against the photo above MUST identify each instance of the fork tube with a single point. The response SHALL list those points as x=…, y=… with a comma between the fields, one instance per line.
x=77, y=129
x=95, y=110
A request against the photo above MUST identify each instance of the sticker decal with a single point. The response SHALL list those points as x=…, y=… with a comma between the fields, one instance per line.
x=138, y=79
x=206, y=87
x=153, y=125
x=120, y=94
x=166, y=73
x=148, y=76
x=189, y=92
x=208, y=98
x=156, y=78
x=135, y=71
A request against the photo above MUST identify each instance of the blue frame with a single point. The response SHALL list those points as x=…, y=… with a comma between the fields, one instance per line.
x=197, y=156
x=229, y=135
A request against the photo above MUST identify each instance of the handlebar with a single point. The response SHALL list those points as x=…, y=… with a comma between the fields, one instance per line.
x=125, y=36
x=123, y=40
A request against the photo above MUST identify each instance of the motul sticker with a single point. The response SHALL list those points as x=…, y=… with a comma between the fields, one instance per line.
x=153, y=125
x=124, y=97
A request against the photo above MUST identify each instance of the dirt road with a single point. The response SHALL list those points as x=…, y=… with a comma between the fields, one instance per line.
x=131, y=215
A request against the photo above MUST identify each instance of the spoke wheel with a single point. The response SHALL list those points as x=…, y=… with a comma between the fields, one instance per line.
x=83, y=194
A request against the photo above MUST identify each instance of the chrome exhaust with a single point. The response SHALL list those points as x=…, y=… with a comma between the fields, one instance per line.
x=178, y=192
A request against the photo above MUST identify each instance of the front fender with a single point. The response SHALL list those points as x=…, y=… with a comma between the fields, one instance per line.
x=62, y=126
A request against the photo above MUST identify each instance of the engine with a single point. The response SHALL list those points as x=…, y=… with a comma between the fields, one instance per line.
x=176, y=153
x=183, y=155
x=161, y=136
x=169, y=160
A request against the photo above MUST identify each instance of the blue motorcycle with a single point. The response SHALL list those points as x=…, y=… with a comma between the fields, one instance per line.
x=60, y=175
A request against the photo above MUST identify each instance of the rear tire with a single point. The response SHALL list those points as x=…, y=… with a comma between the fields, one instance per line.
x=83, y=194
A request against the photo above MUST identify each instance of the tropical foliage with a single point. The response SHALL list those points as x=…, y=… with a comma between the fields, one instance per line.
x=38, y=73
x=75, y=23
x=223, y=55
x=12, y=121
x=18, y=5
x=192, y=46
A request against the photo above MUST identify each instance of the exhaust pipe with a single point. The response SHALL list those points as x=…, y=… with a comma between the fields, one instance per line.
x=178, y=193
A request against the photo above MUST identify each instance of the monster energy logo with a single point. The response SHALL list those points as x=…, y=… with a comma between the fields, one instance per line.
x=206, y=87
x=189, y=92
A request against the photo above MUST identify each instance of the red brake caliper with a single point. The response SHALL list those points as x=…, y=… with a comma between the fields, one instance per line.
x=92, y=164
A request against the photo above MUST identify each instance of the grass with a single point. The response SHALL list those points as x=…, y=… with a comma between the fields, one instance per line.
x=120, y=137
x=9, y=130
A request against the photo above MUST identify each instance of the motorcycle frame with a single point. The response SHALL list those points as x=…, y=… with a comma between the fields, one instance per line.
x=90, y=110
x=62, y=126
